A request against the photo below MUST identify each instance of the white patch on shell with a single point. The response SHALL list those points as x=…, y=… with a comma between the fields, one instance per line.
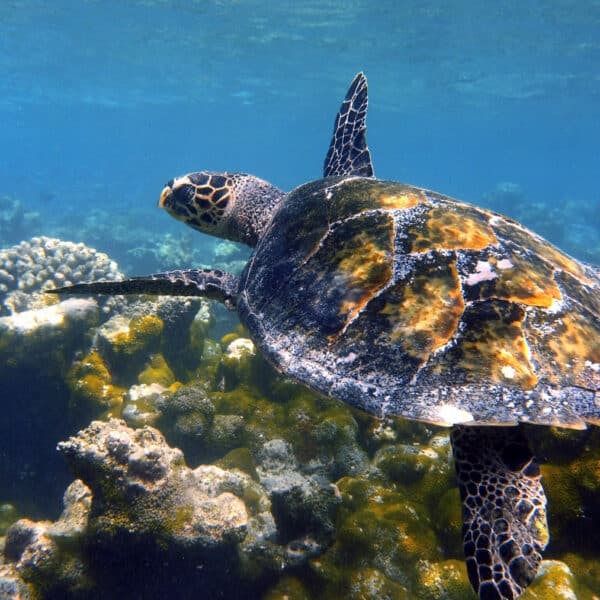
x=349, y=358
x=508, y=372
x=504, y=264
x=556, y=306
x=483, y=272
x=593, y=366
x=451, y=415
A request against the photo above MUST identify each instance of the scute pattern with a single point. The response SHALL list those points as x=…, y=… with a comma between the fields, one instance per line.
x=462, y=315
x=444, y=229
x=508, y=230
x=422, y=314
x=493, y=346
x=504, y=509
x=512, y=276
x=355, y=254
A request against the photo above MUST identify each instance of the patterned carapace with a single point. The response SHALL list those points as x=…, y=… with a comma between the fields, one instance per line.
x=399, y=292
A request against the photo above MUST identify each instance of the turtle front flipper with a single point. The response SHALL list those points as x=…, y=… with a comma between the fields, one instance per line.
x=504, y=509
x=208, y=283
x=348, y=153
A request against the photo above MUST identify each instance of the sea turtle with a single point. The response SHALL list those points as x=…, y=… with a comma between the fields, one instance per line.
x=401, y=301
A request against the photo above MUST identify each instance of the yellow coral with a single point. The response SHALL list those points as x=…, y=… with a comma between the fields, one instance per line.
x=447, y=579
x=555, y=580
x=157, y=371
x=91, y=386
x=141, y=331
x=288, y=588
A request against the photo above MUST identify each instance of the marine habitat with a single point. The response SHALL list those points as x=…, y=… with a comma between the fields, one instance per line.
x=299, y=300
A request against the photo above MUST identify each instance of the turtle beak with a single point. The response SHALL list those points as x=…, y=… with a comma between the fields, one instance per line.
x=164, y=196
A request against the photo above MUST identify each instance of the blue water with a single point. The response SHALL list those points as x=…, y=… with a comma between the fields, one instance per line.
x=101, y=102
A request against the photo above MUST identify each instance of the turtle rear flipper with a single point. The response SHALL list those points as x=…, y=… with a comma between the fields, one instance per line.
x=208, y=283
x=348, y=153
x=504, y=509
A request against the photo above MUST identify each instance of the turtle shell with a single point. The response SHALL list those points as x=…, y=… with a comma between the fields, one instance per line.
x=402, y=301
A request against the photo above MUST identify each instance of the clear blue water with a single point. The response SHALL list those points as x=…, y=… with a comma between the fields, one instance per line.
x=101, y=102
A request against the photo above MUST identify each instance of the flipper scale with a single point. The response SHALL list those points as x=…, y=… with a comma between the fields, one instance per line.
x=348, y=153
x=208, y=283
x=504, y=509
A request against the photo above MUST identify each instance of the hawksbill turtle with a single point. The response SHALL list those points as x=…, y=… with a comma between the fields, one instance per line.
x=402, y=301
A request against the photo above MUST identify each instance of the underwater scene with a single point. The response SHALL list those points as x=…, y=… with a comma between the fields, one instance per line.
x=308, y=372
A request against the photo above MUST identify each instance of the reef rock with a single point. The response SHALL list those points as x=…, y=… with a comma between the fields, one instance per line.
x=39, y=554
x=182, y=506
x=304, y=505
x=45, y=336
x=142, y=514
x=12, y=586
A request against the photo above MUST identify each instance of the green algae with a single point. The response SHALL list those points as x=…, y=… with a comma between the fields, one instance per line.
x=445, y=580
x=288, y=588
x=587, y=575
x=157, y=371
x=8, y=515
x=586, y=469
x=241, y=459
x=377, y=526
x=555, y=580
x=371, y=583
x=142, y=333
x=448, y=521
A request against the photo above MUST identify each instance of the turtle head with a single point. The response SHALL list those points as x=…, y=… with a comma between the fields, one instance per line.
x=234, y=206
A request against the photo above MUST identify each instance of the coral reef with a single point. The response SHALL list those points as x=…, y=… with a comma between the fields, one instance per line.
x=32, y=266
x=136, y=492
x=226, y=477
x=36, y=347
x=56, y=379
x=173, y=504
x=125, y=236
x=43, y=337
